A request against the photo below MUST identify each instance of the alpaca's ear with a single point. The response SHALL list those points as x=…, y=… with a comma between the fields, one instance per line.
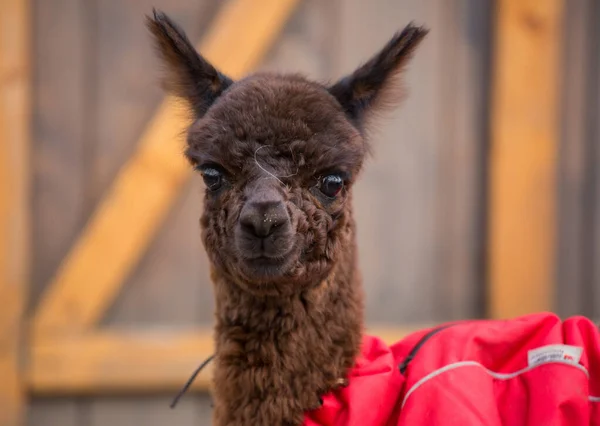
x=372, y=86
x=189, y=75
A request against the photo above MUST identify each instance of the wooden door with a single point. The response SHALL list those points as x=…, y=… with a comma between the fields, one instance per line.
x=120, y=302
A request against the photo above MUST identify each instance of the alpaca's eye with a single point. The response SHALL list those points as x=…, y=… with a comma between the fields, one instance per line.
x=331, y=185
x=213, y=178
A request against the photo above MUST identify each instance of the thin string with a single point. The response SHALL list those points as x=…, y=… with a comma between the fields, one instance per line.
x=190, y=381
x=271, y=174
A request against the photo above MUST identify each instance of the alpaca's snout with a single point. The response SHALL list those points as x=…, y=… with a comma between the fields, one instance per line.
x=261, y=219
x=264, y=234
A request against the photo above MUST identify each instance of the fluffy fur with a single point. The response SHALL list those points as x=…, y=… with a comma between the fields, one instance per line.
x=276, y=148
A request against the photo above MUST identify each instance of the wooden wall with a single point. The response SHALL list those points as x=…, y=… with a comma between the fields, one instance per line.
x=420, y=205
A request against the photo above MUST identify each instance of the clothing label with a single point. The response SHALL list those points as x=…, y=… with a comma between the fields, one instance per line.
x=550, y=353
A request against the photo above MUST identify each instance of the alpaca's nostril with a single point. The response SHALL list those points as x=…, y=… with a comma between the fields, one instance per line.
x=261, y=219
x=247, y=227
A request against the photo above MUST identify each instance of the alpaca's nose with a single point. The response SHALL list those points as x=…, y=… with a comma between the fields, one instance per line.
x=263, y=218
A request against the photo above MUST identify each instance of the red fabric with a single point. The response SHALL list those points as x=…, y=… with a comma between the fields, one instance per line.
x=486, y=387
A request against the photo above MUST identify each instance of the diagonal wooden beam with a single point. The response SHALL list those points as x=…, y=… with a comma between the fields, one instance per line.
x=128, y=217
x=14, y=203
x=524, y=132
x=135, y=361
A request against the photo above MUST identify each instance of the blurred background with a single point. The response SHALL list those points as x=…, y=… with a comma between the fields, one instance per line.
x=481, y=199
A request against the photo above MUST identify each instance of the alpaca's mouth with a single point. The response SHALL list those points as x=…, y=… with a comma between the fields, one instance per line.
x=265, y=261
x=262, y=267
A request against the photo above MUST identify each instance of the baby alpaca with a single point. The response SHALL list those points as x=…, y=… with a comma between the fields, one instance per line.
x=279, y=155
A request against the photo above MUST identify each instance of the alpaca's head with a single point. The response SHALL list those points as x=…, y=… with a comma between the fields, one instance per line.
x=279, y=155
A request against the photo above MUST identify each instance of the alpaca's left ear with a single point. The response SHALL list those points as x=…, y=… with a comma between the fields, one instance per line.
x=371, y=86
x=189, y=75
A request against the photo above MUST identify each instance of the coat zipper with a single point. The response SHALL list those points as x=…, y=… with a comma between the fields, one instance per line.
x=413, y=352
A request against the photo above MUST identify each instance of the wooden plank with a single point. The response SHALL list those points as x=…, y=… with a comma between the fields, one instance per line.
x=592, y=165
x=139, y=200
x=575, y=254
x=63, y=51
x=15, y=85
x=465, y=32
x=132, y=361
x=524, y=141
x=60, y=146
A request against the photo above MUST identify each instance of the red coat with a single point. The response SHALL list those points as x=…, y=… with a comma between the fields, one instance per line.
x=530, y=371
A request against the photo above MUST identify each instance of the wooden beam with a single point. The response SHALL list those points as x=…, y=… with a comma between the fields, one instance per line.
x=524, y=143
x=14, y=203
x=135, y=361
x=132, y=211
x=132, y=362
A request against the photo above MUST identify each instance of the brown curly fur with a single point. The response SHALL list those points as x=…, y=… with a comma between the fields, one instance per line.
x=286, y=333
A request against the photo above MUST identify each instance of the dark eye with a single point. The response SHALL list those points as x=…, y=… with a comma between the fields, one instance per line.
x=331, y=185
x=213, y=177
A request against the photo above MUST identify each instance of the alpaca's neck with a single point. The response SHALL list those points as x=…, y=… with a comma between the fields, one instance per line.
x=275, y=356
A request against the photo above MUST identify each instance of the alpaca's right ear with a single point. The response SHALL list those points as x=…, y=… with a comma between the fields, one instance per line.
x=189, y=75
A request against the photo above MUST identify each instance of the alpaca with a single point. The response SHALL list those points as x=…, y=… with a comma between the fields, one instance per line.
x=279, y=155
